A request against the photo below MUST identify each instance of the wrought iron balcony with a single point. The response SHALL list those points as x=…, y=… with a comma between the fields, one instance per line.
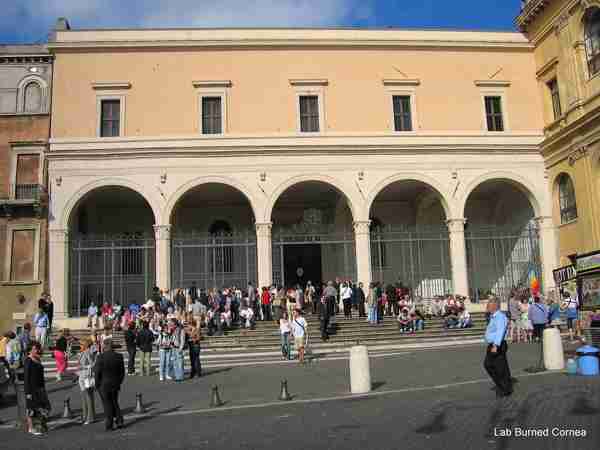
x=24, y=196
x=27, y=192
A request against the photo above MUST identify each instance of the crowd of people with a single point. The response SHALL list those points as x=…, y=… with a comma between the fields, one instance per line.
x=529, y=313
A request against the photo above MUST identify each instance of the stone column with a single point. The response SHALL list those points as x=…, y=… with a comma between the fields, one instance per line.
x=362, y=237
x=458, y=256
x=548, y=251
x=162, y=234
x=58, y=258
x=264, y=255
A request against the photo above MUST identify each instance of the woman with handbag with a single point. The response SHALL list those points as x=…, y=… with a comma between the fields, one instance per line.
x=87, y=357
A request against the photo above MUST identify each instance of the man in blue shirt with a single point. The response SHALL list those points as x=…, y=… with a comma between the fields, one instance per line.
x=538, y=314
x=495, y=362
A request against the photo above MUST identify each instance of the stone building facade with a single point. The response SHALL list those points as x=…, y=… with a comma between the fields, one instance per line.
x=25, y=82
x=281, y=156
x=566, y=37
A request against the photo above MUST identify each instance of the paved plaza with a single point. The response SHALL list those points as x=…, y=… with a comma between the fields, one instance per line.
x=421, y=399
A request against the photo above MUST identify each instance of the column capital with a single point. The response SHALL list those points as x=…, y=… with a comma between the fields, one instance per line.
x=162, y=232
x=544, y=222
x=263, y=229
x=362, y=226
x=57, y=235
x=456, y=225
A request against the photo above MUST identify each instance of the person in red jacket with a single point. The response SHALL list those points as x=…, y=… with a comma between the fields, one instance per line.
x=265, y=300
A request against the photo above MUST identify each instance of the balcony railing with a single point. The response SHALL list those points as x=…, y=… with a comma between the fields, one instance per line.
x=31, y=192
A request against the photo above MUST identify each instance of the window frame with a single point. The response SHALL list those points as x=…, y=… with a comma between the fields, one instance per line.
x=309, y=96
x=310, y=88
x=554, y=90
x=21, y=87
x=213, y=88
x=568, y=207
x=14, y=158
x=592, y=59
x=206, y=96
x=503, y=106
x=122, y=105
x=403, y=88
x=10, y=229
x=213, y=93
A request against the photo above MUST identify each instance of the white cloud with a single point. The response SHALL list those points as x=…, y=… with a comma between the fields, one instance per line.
x=190, y=13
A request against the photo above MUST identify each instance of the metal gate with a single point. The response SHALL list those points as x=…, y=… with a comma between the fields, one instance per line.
x=419, y=258
x=117, y=269
x=500, y=259
x=213, y=260
x=337, y=250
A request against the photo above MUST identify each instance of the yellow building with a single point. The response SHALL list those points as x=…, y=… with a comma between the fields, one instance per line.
x=566, y=38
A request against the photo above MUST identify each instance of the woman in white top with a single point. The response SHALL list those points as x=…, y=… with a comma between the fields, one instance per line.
x=285, y=329
x=346, y=297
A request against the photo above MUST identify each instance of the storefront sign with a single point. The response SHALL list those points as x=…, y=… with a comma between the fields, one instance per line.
x=587, y=263
x=564, y=274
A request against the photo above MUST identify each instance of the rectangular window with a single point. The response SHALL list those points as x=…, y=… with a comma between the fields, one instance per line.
x=22, y=251
x=309, y=113
x=493, y=113
x=110, y=118
x=211, y=115
x=555, y=96
x=27, y=177
x=402, y=114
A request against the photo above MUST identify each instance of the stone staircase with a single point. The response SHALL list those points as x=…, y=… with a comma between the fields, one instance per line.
x=262, y=345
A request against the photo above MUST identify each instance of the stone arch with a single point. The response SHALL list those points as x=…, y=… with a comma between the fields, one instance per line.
x=514, y=179
x=302, y=178
x=437, y=187
x=183, y=189
x=22, y=88
x=76, y=198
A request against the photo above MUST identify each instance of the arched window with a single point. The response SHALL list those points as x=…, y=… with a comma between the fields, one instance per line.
x=378, y=253
x=592, y=39
x=566, y=199
x=32, y=98
x=222, y=257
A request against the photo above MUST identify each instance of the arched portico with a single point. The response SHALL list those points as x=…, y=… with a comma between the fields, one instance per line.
x=212, y=236
x=507, y=236
x=409, y=237
x=312, y=232
x=107, y=245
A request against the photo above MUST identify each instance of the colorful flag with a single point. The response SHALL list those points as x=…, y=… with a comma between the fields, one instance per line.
x=534, y=284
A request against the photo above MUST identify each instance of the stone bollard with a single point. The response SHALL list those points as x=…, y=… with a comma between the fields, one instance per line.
x=360, y=370
x=554, y=358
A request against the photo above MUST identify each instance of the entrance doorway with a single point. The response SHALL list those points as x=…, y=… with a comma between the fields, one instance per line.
x=312, y=230
x=302, y=263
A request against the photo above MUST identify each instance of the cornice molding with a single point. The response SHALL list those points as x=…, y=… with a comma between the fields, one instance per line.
x=100, y=85
x=243, y=38
x=260, y=145
x=546, y=67
x=401, y=82
x=309, y=82
x=492, y=83
x=211, y=83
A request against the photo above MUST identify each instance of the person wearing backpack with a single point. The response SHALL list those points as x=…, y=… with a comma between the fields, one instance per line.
x=299, y=328
x=144, y=341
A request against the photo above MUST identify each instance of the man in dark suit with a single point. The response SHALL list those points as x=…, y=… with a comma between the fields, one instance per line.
x=109, y=373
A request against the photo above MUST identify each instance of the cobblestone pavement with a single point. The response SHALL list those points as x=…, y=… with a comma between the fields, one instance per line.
x=426, y=399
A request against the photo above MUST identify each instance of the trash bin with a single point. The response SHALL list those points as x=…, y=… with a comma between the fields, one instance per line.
x=19, y=384
x=587, y=361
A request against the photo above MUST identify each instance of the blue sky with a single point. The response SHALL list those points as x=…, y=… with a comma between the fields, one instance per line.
x=31, y=20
